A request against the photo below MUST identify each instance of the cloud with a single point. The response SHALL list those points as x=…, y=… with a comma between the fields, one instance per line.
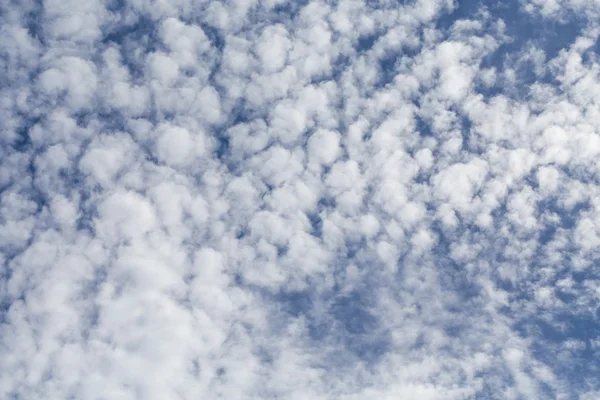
x=345, y=200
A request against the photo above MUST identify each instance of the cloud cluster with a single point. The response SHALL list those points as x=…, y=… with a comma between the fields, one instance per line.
x=300, y=200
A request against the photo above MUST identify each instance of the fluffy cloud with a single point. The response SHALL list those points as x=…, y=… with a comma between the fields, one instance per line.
x=346, y=200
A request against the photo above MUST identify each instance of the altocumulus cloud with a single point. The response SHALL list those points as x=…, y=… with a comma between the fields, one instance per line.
x=345, y=199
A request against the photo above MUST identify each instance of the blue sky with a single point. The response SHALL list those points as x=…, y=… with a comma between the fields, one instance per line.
x=299, y=200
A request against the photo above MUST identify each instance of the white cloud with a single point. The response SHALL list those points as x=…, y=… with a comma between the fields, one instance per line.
x=459, y=183
x=341, y=200
x=73, y=77
x=324, y=147
x=163, y=68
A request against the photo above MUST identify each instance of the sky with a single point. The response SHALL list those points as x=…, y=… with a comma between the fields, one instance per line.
x=328, y=200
